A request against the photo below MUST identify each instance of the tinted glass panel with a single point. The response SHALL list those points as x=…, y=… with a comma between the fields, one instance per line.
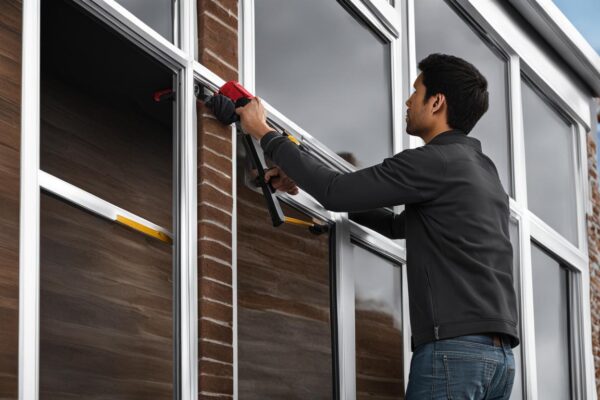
x=158, y=14
x=551, y=176
x=379, y=345
x=105, y=308
x=458, y=39
x=328, y=72
x=101, y=130
x=551, y=326
x=284, y=327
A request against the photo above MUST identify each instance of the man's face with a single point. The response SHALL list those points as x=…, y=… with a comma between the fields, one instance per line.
x=419, y=115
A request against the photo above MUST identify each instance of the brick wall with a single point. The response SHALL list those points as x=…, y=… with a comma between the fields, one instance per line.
x=594, y=250
x=10, y=138
x=218, y=51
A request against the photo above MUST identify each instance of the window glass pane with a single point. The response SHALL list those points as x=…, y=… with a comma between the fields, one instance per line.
x=551, y=326
x=458, y=39
x=101, y=129
x=284, y=321
x=517, y=390
x=550, y=165
x=106, y=328
x=158, y=14
x=379, y=343
x=328, y=72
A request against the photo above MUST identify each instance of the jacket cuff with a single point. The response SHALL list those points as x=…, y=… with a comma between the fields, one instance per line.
x=266, y=140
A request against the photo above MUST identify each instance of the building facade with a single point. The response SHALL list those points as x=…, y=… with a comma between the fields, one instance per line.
x=137, y=256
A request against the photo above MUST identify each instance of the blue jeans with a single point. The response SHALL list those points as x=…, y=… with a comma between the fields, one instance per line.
x=464, y=367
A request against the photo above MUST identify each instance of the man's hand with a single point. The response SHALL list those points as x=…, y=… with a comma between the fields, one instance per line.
x=280, y=181
x=254, y=118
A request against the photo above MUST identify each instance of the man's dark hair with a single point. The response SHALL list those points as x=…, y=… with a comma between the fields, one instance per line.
x=463, y=85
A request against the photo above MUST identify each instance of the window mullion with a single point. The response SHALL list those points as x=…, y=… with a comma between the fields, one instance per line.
x=397, y=96
x=246, y=45
x=413, y=141
x=29, y=237
x=518, y=135
x=527, y=309
x=345, y=309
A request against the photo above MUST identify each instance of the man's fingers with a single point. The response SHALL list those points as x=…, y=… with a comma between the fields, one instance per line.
x=271, y=172
x=280, y=181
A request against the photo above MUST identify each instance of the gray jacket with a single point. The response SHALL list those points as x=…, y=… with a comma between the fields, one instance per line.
x=456, y=218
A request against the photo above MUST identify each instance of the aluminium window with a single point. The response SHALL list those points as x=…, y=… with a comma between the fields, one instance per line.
x=459, y=38
x=109, y=311
x=340, y=104
x=285, y=308
x=552, y=325
x=325, y=69
x=101, y=129
x=160, y=15
x=550, y=157
x=379, y=326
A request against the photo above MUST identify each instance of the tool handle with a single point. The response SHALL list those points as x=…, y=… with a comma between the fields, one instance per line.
x=277, y=217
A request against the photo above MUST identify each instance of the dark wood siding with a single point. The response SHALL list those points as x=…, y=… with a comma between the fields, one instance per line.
x=10, y=137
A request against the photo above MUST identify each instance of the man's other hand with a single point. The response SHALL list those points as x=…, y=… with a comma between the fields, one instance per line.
x=280, y=181
x=254, y=118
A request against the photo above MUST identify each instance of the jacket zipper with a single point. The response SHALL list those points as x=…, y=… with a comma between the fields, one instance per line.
x=436, y=328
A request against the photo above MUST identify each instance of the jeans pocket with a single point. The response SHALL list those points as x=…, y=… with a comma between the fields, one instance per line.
x=465, y=375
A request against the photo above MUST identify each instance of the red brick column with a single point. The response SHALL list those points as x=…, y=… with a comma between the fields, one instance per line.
x=218, y=51
x=593, y=227
x=10, y=142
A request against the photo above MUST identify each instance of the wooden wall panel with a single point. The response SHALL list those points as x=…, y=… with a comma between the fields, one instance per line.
x=10, y=137
x=284, y=328
x=106, y=307
x=117, y=154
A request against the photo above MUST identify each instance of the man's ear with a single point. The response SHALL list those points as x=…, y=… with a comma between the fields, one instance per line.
x=438, y=103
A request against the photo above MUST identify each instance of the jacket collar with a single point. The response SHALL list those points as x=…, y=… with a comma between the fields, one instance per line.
x=455, y=136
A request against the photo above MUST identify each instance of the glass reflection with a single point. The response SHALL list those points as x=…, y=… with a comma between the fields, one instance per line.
x=284, y=320
x=458, y=39
x=379, y=345
x=551, y=326
x=158, y=14
x=328, y=72
x=106, y=327
x=551, y=190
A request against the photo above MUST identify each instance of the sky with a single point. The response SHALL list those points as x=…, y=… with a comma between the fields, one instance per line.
x=585, y=15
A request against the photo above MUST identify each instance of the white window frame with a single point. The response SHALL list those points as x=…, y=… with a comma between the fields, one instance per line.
x=527, y=55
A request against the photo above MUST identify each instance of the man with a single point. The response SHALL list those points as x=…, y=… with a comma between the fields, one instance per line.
x=459, y=258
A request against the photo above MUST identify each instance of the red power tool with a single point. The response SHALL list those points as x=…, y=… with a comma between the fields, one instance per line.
x=229, y=97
